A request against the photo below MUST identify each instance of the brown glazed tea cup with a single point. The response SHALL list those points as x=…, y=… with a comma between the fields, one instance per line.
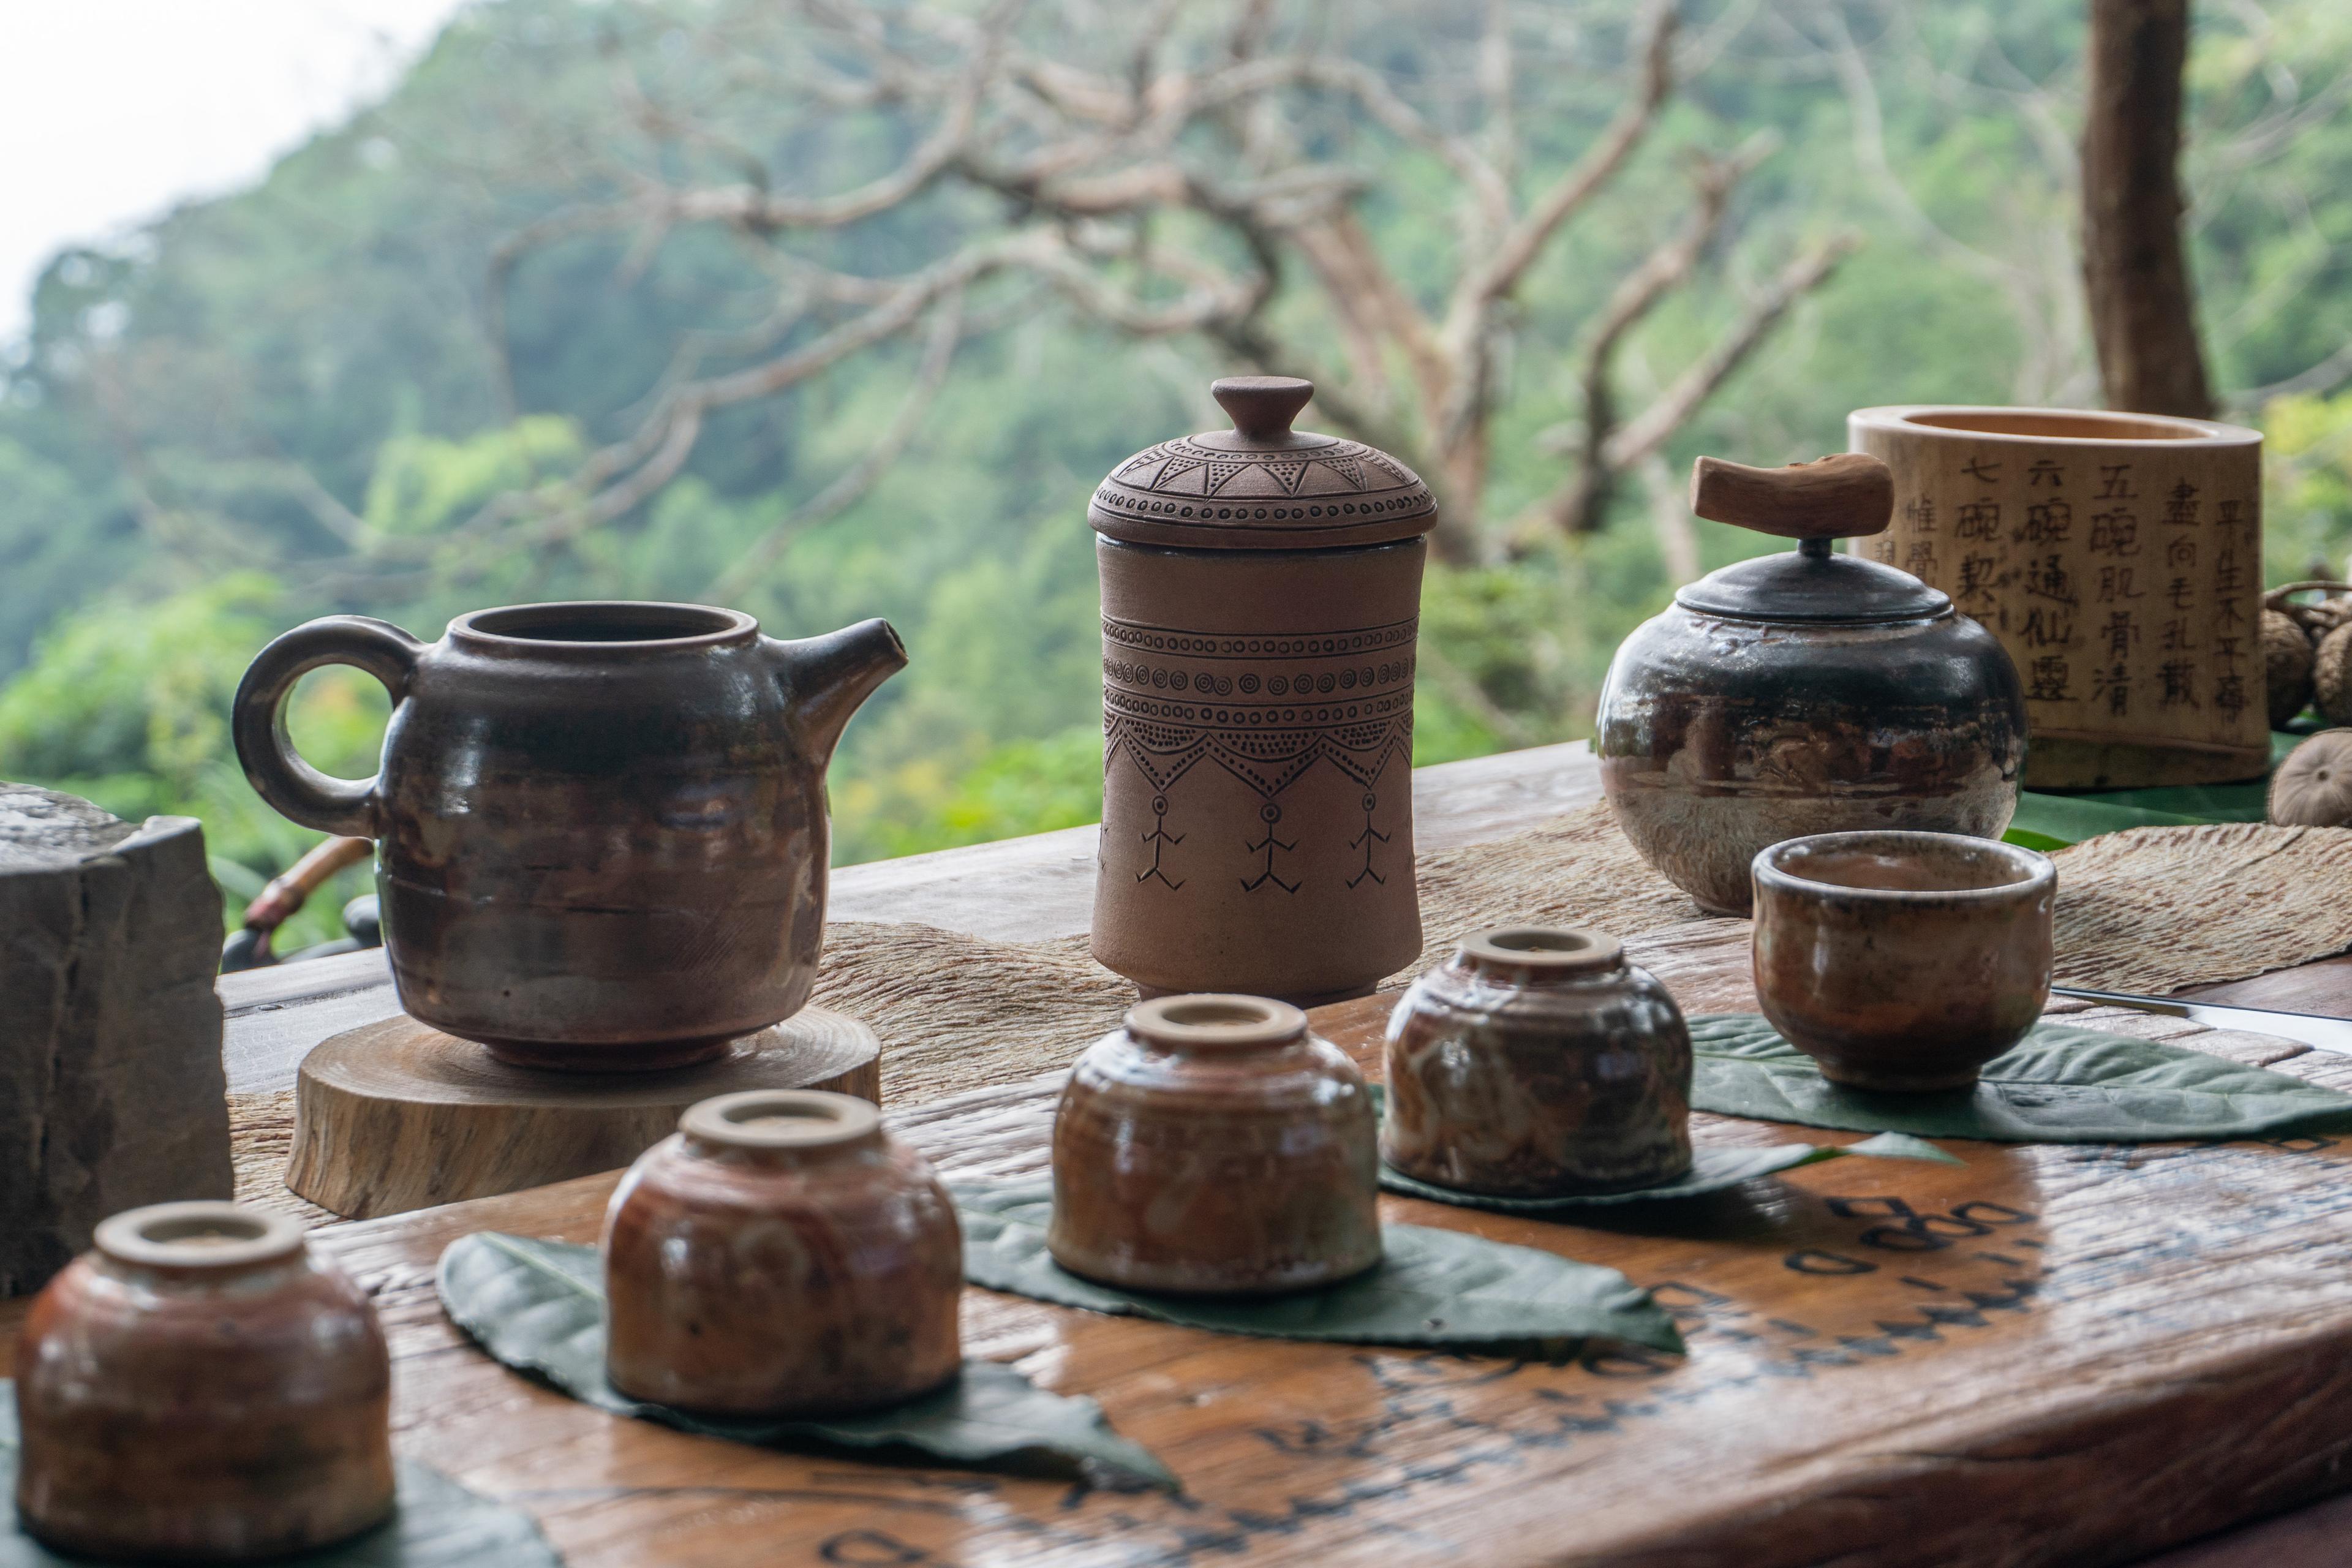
x=781, y=1255
x=1535, y=1062
x=199, y=1386
x=1214, y=1146
x=1902, y=961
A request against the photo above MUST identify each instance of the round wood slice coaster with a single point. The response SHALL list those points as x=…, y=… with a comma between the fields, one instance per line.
x=396, y=1116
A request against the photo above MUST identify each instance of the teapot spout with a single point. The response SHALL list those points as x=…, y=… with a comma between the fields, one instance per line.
x=831, y=676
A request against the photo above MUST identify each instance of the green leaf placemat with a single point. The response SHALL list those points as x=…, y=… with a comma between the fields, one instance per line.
x=539, y=1307
x=2054, y=821
x=439, y=1524
x=1712, y=1170
x=2047, y=822
x=1432, y=1287
x=2060, y=1085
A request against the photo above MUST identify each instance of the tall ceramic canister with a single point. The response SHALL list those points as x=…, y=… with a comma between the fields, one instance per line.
x=1261, y=598
x=2118, y=558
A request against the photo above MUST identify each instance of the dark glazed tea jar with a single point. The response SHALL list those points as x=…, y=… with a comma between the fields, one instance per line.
x=199, y=1386
x=601, y=829
x=1260, y=600
x=1537, y=1062
x=1803, y=694
x=1213, y=1146
x=781, y=1255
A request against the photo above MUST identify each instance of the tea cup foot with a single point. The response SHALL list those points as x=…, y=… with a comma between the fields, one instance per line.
x=1878, y=1080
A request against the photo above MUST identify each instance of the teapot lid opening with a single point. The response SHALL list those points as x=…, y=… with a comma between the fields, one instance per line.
x=1813, y=586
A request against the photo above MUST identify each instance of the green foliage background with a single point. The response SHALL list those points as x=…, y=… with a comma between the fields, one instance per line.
x=199, y=409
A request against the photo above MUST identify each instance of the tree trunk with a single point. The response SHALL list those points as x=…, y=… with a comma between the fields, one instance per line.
x=2143, y=305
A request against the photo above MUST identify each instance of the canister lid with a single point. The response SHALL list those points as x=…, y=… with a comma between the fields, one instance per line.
x=1262, y=485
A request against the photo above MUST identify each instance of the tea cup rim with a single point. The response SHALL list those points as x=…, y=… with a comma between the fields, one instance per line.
x=1577, y=950
x=144, y=1238
x=781, y=1119
x=1253, y=1020
x=2039, y=872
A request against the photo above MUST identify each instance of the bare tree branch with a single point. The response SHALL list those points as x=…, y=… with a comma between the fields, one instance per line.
x=1648, y=430
x=1164, y=182
x=1583, y=506
x=851, y=485
x=1501, y=272
x=1671, y=519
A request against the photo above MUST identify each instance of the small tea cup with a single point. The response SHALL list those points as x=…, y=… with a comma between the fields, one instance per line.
x=1902, y=961
x=1216, y=1146
x=781, y=1255
x=201, y=1386
x=1538, y=1063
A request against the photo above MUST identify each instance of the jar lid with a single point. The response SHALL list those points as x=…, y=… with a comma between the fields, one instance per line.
x=1814, y=587
x=1262, y=485
x=1840, y=497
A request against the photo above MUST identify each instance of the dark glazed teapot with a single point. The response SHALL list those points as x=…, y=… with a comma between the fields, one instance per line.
x=600, y=828
x=1799, y=694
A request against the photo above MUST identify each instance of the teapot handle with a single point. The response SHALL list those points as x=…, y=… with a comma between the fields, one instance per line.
x=258, y=718
x=1844, y=496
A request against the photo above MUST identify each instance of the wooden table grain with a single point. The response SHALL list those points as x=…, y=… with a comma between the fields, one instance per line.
x=2045, y=1355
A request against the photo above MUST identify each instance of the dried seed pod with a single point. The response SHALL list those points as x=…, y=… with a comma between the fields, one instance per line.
x=2316, y=619
x=2331, y=676
x=2313, y=788
x=2286, y=667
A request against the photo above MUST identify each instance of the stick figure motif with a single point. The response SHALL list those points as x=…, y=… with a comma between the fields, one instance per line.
x=1159, y=838
x=1269, y=813
x=1366, y=839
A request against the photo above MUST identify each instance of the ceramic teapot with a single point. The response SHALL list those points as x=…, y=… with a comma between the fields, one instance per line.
x=1803, y=694
x=601, y=827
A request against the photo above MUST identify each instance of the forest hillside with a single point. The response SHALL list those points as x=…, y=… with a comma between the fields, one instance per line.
x=828, y=311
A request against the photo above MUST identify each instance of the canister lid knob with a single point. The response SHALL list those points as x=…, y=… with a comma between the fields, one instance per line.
x=1262, y=406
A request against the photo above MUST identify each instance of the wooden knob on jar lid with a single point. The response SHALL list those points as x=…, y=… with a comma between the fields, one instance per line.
x=1262, y=406
x=1844, y=496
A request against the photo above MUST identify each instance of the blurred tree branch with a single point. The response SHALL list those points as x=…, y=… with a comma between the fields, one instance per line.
x=1177, y=182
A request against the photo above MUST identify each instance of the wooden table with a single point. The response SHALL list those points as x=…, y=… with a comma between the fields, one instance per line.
x=2054, y=1381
